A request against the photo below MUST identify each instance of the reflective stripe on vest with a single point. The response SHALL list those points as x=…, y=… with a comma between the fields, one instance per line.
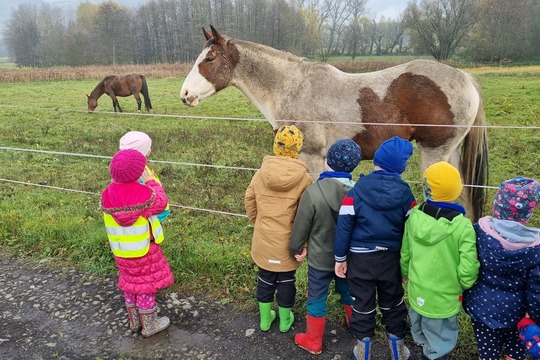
x=134, y=240
x=157, y=180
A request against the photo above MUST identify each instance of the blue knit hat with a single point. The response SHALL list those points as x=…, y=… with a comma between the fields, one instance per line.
x=393, y=154
x=344, y=155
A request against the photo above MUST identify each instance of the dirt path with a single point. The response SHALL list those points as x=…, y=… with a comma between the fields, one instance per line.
x=68, y=314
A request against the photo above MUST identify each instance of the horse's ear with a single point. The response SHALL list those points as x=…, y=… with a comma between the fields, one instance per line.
x=207, y=34
x=215, y=34
x=87, y=96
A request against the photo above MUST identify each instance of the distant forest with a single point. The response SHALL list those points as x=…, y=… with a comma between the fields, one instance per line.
x=169, y=31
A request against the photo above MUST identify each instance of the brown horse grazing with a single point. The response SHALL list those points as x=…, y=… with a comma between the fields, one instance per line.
x=114, y=86
x=438, y=106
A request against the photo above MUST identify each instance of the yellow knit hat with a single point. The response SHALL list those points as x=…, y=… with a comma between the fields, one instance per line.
x=442, y=182
x=288, y=141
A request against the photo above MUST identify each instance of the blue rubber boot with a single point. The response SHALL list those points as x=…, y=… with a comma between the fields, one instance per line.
x=362, y=349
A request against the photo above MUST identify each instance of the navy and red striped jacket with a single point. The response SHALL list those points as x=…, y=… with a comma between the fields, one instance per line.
x=372, y=215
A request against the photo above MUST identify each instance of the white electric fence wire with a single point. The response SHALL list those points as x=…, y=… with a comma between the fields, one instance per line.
x=277, y=120
x=110, y=157
x=93, y=193
x=221, y=166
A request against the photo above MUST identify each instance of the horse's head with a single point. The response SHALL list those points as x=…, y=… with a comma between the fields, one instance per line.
x=92, y=103
x=212, y=70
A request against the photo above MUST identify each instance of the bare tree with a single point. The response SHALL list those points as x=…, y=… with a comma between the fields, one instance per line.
x=336, y=13
x=22, y=35
x=392, y=36
x=112, y=32
x=52, y=31
x=357, y=7
x=503, y=32
x=439, y=26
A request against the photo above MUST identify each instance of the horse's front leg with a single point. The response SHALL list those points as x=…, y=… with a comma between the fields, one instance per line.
x=115, y=102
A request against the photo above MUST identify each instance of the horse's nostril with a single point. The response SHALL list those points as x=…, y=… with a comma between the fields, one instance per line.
x=184, y=100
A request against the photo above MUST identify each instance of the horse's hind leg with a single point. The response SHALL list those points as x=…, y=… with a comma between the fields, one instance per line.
x=139, y=102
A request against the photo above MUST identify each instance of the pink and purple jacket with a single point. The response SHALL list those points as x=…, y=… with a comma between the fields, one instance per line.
x=151, y=272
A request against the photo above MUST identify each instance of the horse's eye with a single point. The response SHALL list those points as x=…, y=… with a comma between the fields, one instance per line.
x=209, y=58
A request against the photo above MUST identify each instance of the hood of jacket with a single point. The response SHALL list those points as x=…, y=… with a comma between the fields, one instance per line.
x=126, y=202
x=282, y=173
x=501, y=260
x=431, y=231
x=332, y=190
x=381, y=192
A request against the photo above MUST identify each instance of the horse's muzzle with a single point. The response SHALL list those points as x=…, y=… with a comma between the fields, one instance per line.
x=190, y=100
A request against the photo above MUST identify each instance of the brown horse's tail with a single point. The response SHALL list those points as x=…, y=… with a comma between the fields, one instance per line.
x=146, y=96
x=474, y=161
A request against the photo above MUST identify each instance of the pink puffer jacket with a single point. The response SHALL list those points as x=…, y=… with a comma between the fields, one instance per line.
x=151, y=272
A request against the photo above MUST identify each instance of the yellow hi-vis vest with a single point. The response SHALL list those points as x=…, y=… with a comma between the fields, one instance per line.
x=132, y=241
x=158, y=181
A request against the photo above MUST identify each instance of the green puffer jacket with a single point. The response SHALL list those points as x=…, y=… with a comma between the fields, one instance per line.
x=315, y=221
x=438, y=256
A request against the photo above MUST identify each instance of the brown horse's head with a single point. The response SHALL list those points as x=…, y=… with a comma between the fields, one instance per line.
x=213, y=69
x=92, y=103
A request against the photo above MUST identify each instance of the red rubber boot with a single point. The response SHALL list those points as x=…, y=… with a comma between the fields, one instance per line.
x=348, y=313
x=311, y=340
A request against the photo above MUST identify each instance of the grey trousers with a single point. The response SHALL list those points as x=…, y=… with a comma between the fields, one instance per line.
x=438, y=337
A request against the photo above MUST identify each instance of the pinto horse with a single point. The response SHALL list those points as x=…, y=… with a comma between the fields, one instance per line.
x=438, y=106
x=114, y=86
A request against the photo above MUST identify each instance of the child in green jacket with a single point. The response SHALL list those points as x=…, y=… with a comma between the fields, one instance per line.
x=438, y=257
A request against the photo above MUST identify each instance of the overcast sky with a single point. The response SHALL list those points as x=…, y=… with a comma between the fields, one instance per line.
x=387, y=8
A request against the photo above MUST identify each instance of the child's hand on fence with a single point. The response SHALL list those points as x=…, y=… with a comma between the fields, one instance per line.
x=300, y=257
x=341, y=269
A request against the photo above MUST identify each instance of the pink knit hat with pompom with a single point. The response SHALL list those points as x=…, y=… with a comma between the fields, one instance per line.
x=127, y=166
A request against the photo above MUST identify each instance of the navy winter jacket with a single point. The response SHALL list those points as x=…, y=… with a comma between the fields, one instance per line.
x=372, y=215
x=508, y=284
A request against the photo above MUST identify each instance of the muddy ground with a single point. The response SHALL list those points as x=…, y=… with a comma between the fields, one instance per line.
x=68, y=314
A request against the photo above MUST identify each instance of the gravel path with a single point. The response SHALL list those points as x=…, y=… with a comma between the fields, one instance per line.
x=68, y=314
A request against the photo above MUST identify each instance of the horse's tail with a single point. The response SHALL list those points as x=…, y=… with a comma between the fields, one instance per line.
x=146, y=96
x=474, y=161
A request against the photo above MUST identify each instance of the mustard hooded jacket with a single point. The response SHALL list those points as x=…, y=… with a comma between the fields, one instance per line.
x=271, y=201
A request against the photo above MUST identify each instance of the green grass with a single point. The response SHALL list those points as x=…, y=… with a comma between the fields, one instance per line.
x=209, y=253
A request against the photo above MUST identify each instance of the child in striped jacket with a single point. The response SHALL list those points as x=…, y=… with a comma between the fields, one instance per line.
x=367, y=248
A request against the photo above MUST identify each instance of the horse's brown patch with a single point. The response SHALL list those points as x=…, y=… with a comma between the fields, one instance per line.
x=220, y=62
x=410, y=99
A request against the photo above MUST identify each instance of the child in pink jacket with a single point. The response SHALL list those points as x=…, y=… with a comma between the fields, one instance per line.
x=130, y=213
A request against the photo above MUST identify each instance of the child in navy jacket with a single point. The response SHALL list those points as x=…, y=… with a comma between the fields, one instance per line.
x=367, y=247
x=508, y=284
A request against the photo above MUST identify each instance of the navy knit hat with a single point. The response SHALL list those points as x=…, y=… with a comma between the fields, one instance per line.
x=344, y=155
x=393, y=154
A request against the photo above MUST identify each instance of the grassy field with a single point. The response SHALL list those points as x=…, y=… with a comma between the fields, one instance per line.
x=208, y=252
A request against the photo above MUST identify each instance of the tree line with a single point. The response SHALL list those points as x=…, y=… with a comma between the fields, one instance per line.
x=169, y=31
